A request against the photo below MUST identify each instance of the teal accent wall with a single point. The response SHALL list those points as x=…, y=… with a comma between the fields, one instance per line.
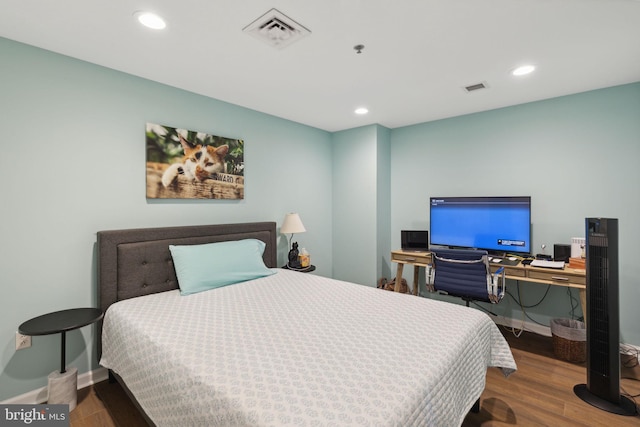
x=361, y=210
x=383, y=203
x=73, y=156
x=576, y=156
x=72, y=163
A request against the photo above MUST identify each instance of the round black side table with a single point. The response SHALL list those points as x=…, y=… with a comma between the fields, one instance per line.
x=308, y=269
x=63, y=384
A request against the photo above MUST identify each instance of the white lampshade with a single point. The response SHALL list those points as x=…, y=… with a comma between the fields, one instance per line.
x=292, y=224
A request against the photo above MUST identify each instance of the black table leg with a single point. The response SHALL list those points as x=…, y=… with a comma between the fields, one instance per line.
x=63, y=346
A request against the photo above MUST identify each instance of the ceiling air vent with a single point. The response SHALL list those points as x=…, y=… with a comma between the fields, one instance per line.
x=276, y=29
x=477, y=86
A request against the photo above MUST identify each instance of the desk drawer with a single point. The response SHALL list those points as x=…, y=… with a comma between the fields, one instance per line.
x=558, y=276
x=418, y=258
x=510, y=272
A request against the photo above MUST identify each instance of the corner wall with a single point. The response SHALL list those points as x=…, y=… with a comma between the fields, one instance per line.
x=361, y=204
x=576, y=156
x=73, y=163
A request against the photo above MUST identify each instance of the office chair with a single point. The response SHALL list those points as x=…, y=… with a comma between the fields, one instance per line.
x=465, y=274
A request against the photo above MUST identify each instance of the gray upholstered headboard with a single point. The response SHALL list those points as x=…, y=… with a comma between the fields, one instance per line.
x=137, y=262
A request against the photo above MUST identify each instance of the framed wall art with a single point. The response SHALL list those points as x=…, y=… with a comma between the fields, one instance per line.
x=187, y=164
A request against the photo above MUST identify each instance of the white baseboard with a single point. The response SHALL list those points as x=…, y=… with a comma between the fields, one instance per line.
x=38, y=396
x=546, y=331
x=519, y=324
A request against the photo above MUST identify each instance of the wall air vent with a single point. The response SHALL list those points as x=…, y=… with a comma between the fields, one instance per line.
x=475, y=87
x=276, y=29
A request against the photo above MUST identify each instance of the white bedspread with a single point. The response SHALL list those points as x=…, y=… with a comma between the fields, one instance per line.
x=297, y=349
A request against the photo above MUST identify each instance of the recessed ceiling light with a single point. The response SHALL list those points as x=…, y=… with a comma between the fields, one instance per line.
x=150, y=20
x=361, y=111
x=523, y=70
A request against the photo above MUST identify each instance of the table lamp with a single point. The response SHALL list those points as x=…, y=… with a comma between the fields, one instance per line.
x=292, y=224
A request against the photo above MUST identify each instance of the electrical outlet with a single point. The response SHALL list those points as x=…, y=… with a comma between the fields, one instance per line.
x=22, y=341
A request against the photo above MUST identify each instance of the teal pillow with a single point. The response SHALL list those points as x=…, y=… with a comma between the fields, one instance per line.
x=213, y=265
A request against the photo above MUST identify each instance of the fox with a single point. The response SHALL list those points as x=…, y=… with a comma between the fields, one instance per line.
x=200, y=162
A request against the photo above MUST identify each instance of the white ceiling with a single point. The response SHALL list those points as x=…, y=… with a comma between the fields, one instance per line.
x=418, y=55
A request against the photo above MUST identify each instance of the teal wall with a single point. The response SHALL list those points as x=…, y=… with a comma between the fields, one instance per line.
x=361, y=209
x=576, y=156
x=73, y=156
x=383, y=202
x=73, y=162
x=354, y=204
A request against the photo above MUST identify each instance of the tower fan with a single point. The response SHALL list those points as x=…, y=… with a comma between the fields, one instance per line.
x=603, y=320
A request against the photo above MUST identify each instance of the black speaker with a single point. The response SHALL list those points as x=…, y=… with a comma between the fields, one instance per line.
x=561, y=252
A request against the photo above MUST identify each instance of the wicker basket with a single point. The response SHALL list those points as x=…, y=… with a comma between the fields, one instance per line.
x=569, y=340
x=391, y=286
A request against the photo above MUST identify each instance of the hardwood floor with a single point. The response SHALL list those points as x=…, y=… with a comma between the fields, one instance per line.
x=90, y=411
x=540, y=393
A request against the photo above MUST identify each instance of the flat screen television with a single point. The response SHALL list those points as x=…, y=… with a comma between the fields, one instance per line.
x=496, y=224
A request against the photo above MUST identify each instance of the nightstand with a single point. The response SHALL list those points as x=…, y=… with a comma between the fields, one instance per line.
x=301, y=270
x=62, y=387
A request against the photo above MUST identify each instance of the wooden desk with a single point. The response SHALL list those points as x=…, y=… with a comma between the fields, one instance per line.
x=417, y=259
x=568, y=277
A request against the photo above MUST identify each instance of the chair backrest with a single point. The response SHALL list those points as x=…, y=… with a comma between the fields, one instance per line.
x=462, y=273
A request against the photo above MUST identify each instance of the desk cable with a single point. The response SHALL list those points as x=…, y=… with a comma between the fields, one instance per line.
x=518, y=331
x=574, y=304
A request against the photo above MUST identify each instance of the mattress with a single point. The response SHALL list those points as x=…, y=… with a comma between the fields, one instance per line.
x=297, y=349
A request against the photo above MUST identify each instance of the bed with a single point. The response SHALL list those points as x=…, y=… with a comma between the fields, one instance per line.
x=285, y=349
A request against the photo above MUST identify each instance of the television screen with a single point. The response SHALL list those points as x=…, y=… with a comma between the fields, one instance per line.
x=497, y=224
